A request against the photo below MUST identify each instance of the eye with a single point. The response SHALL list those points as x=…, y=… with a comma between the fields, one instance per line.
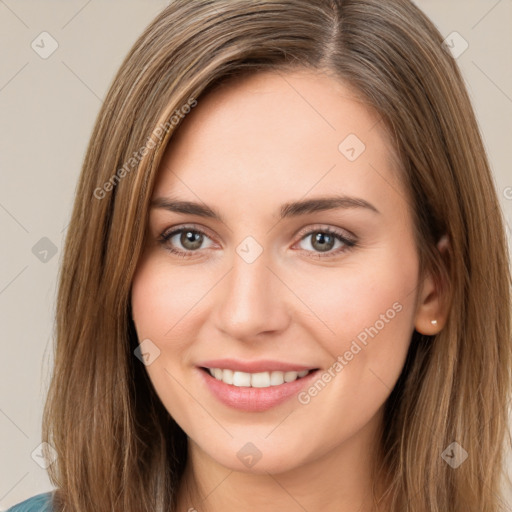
x=189, y=237
x=323, y=240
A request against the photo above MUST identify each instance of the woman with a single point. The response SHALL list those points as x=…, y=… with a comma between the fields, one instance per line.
x=285, y=283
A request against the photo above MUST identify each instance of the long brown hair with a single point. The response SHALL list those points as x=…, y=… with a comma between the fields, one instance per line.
x=117, y=447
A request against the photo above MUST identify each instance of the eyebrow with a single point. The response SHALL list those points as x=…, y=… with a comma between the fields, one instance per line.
x=291, y=209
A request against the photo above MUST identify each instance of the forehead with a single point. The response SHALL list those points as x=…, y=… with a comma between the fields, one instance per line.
x=274, y=136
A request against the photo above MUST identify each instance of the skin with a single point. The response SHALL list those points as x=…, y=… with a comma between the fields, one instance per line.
x=247, y=148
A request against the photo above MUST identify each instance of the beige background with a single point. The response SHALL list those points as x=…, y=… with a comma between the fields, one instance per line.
x=47, y=110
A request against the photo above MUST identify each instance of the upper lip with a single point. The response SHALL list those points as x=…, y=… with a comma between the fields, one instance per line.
x=264, y=365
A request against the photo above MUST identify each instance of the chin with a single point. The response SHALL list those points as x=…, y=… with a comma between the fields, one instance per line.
x=257, y=457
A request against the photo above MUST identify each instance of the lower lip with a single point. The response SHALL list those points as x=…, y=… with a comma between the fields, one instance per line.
x=251, y=399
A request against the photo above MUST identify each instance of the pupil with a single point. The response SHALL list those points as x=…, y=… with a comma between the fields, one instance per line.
x=321, y=238
x=187, y=239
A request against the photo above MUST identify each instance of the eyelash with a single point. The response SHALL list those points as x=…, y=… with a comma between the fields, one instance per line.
x=347, y=242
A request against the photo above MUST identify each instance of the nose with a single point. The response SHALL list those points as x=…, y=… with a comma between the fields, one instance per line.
x=252, y=300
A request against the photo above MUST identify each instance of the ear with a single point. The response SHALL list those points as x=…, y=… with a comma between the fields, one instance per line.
x=433, y=301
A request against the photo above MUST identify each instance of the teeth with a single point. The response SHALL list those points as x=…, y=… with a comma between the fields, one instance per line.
x=259, y=380
x=226, y=376
x=255, y=380
x=241, y=379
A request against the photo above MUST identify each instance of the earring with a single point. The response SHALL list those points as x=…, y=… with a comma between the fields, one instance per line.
x=433, y=322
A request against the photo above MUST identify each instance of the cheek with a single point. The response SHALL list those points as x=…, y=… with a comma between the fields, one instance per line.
x=369, y=310
x=367, y=314
x=163, y=301
x=354, y=295
x=162, y=305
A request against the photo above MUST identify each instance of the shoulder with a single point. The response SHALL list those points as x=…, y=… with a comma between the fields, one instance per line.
x=38, y=503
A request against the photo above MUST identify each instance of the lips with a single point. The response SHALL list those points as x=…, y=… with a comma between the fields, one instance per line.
x=249, y=398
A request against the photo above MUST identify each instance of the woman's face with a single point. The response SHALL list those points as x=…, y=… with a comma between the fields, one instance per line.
x=310, y=264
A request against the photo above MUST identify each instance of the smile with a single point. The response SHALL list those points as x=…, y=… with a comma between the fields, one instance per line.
x=254, y=392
